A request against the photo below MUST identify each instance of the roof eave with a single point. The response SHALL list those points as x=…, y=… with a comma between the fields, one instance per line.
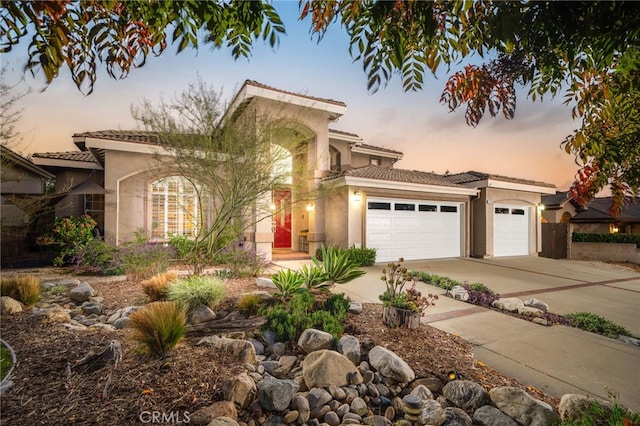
x=406, y=186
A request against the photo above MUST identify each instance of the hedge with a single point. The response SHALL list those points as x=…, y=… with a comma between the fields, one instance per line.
x=581, y=237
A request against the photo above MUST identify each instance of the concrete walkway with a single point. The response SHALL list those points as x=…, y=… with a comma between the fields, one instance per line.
x=556, y=360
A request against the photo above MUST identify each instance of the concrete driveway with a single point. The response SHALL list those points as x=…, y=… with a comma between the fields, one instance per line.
x=556, y=359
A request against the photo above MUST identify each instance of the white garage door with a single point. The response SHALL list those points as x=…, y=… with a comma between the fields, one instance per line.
x=510, y=230
x=413, y=229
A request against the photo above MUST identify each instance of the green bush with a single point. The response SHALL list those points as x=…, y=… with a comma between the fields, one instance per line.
x=337, y=265
x=23, y=288
x=69, y=234
x=480, y=288
x=362, y=256
x=603, y=414
x=97, y=257
x=240, y=261
x=197, y=290
x=596, y=324
x=142, y=259
x=184, y=246
x=287, y=282
x=444, y=283
x=289, y=320
x=581, y=237
x=159, y=326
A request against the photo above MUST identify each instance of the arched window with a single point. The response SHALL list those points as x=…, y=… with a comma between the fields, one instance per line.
x=175, y=208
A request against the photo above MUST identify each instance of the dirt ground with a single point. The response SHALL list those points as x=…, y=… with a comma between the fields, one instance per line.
x=48, y=391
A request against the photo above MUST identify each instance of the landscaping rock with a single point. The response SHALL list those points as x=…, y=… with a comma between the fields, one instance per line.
x=206, y=415
x=349, y=346
x=263, y=295
x=324, y=368
x=331, y=418
x=223, y=421
x=491, y=416
x=313, y=340
x=460, y=293
x=241, y=349
x=520, y=406
x=71, y=282
x=422, y=392
x=82, y=293
x=241, y=390
x=318, y=397
x=101, y=326
x=276, y=394
x=454, y=416
x=355, y=307
x=466, y=394
x=9, y=306
x=257, y=345
x=535, y=303
x=301, y=405
x=530, y=312
x=90, y=308
x=201, y=314
x=511, y=304
x=359, y=407
x=121, y=323
x=432, y=413
x=54, y=314
x=390, y=365
x=572, y=406
x=265, y=282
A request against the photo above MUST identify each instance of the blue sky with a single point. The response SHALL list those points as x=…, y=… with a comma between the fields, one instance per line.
x=432, y=138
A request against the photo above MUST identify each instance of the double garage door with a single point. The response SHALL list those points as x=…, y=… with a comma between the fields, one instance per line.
x=413, y=229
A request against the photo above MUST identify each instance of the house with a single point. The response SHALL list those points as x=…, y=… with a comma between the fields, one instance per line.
x=22, y=187
x=594, y=218
x=402, y=213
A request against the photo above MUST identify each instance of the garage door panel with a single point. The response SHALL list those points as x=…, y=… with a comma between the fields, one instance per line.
x=414, y=234
x=511, y=230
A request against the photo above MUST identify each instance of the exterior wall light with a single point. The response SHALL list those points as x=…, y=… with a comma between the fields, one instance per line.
x=357, y=196
x=310, y=207
x=614, y=229
x=541, y=207
x=272, y=207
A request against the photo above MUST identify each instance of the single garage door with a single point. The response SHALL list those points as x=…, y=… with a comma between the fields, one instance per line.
x=510, y=230
x=413, y=229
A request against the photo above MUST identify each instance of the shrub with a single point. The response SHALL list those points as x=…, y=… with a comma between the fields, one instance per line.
x=184, y=246
x=23, y=288
x=249, y=303
x=596, y=324
x=57, y=290
x=603, y=414
x=478, y=287
x=69, y=234
x=314, y=278
x=240, y=261
x=159, y=326
x=97, y=257
x=337, y=265
x=156, y=287
x=197, y=290
x=362, y=256
x=287, y=282
x=142, y=259
x=581, y=237
x=289, y=320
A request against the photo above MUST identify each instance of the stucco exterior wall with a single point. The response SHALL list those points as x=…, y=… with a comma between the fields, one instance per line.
x=607, y=252
x=337, y=219
x=483, y=218
x=361, y=160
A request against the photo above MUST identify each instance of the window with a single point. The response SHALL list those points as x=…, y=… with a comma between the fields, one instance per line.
x=335, y=159
x=501, y=210
x=94, y=207
x=427, y=208
x=405, y=207
x=448, y=209
x=375, y=161
x=519, y=212
x=379, y=206
x=175, y=208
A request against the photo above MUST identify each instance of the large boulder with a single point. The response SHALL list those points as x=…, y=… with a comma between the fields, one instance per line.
x=456, y=416
x=390, y=365
x=241, y=390
x=324, y=368
x=491, y=416
x=459, y=293
x=276, y=394
x=432, y=413
x=313, y=340
x=465, y=394
x=242, y=349
x=82, y=293
x=511, y=304
x=349, y=346
x=521, y=407
x=9, y=306
x=572, y=406
x=535, y=303
x=201, y=314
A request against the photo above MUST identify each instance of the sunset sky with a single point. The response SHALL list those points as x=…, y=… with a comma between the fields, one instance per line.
x=432, y=138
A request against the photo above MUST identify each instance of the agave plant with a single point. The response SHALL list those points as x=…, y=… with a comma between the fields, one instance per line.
x=315, y=278
x=338, y=267
x=287, y=282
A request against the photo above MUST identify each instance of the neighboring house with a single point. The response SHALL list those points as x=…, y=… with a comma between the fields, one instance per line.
x=595, y=218
x=401, y=213
x=22, y=187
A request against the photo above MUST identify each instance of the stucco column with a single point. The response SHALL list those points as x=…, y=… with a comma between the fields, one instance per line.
x=319, y=162
x=263, y=237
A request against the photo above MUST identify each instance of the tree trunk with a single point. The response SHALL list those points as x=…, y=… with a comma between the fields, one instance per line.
x=395, y=318
x=232, y=322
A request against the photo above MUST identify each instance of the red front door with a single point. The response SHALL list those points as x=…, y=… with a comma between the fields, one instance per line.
x=282, y=219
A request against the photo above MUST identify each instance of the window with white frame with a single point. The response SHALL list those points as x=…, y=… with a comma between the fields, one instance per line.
x=175, y=207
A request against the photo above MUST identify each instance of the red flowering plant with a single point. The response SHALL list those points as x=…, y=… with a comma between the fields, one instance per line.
x=69, y=234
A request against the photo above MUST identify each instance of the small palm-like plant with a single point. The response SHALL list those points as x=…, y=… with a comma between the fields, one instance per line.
x=156, y=287
x=159, y=326
x=197, y=290
x=23, y=288
x=288, y=283
x=338, y=266
x=315, y=278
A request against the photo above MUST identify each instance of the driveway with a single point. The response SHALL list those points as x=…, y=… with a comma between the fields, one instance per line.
x=556, y=359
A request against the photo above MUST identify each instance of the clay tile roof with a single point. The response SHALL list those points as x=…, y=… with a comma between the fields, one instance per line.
x=264, y=86
x=67, y=155
x=122, y=136
x=397, y=175
x=473, y=176
x=379, y=148
x=342, y=132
